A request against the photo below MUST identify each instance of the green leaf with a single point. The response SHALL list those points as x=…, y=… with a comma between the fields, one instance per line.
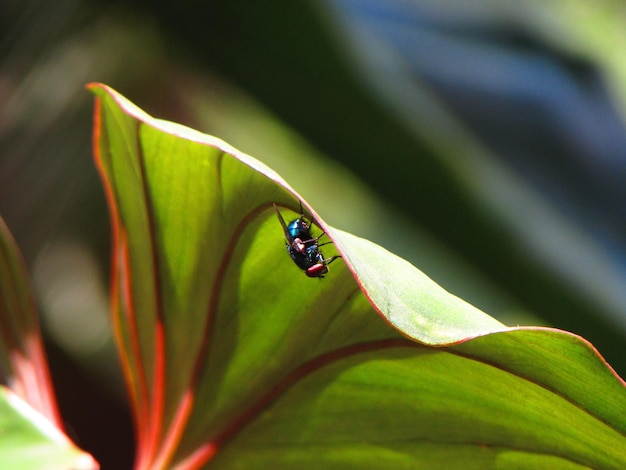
x=409, y=299
x=407, y=406
x=234, y=357
x=23, y=365
x=30, y=441
x=31, y=429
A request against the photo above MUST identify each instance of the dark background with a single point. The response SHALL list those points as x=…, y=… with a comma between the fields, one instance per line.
x=483, y=142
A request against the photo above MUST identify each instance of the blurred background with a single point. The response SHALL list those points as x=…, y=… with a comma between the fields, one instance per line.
x=482, y=140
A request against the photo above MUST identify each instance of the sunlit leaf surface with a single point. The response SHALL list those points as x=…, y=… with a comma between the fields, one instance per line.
x=30, y=441
x=235, y=358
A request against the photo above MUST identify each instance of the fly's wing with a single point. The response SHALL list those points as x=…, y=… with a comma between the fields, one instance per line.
x=288, y=236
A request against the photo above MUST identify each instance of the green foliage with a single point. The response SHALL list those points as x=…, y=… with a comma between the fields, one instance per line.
x=307, y=79
x=234, y=356
x=30, y=441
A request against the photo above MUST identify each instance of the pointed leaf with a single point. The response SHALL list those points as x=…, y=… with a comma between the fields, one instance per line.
x=233, y=356
x=23, y=364
x=409, y=299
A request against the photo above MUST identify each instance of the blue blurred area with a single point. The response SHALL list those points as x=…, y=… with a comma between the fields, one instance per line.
x=545, y=116
x=520, y=99
x=554, y=120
